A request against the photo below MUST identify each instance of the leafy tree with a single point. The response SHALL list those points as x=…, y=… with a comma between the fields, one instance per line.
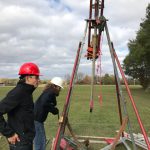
x=108, y=79
x=86, y=80
x=137, y=63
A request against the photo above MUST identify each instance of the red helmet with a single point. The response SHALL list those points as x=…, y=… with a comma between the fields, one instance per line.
x=29, y=69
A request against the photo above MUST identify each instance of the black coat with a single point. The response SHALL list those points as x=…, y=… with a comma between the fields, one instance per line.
x=18, y=105
x=45, y=103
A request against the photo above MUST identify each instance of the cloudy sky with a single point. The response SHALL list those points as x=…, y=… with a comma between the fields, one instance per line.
x=47, y=32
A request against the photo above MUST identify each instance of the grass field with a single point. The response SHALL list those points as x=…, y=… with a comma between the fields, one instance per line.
x=103, y=121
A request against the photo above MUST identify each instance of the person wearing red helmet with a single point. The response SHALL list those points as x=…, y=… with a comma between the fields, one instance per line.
x=18, y=105
x=30, y=71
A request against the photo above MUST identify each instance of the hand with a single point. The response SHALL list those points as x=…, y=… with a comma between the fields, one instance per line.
x=56, y=111
x=13, y=139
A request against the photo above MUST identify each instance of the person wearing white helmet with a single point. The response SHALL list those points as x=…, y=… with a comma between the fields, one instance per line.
x=57, y=81
x=45, y=103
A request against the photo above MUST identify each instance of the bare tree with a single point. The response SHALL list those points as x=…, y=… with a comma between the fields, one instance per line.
x=67, y=78
x=80, y=77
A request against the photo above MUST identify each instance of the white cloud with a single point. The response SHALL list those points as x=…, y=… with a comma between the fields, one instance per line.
x=48, y=33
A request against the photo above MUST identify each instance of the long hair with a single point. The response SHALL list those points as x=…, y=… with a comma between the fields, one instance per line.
x=49, y=86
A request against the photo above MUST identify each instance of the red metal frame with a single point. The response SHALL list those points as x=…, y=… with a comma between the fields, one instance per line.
x=132, y=101
x=62, y=125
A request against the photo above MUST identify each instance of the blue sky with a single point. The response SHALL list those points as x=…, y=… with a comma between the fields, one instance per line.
x=47, y=33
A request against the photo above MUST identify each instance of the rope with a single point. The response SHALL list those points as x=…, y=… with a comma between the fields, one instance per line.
x=99, y=70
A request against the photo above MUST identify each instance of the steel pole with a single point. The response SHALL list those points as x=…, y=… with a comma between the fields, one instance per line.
x=133, y=103
x=119, y=86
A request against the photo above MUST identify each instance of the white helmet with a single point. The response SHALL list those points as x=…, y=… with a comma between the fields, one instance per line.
x=57, y=81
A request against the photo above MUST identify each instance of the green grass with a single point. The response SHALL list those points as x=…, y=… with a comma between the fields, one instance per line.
x=104, y=120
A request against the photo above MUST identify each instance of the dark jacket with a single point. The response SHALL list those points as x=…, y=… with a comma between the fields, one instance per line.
x=18, y=105
x=45, y=103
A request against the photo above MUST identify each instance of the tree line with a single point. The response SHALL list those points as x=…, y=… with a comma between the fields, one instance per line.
x=81, y=78
x=13, y=82
x=106, y=79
